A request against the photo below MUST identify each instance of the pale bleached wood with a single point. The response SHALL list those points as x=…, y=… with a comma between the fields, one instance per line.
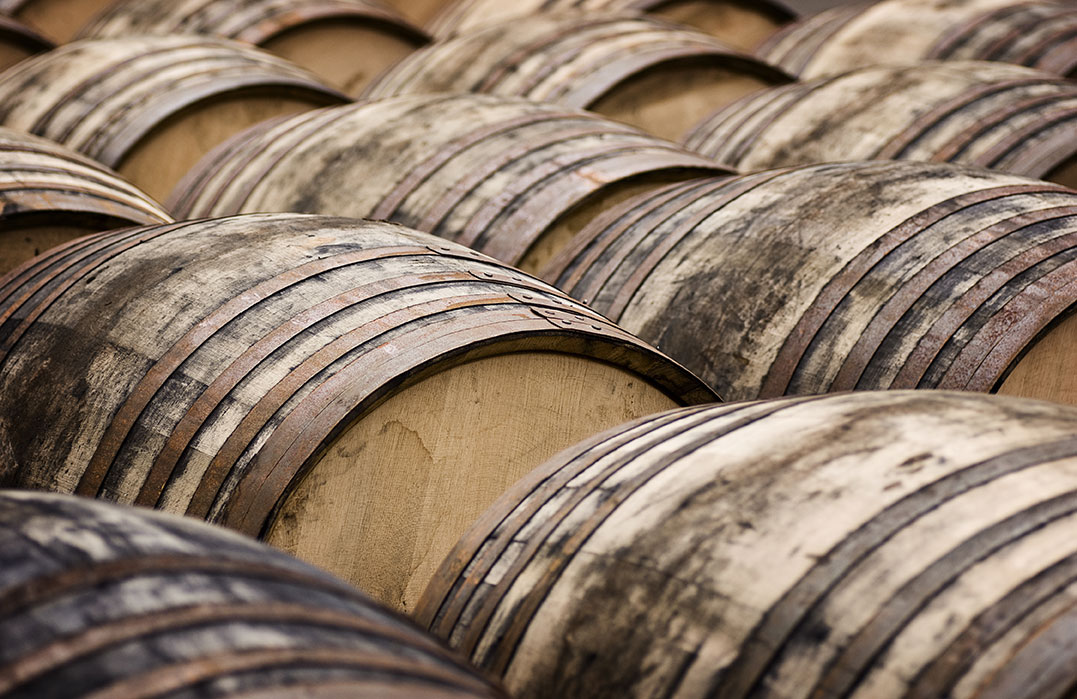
x=992, y=115
x=885, y=544
x=836, y=277
x=579, y=60
x=217, y=362
x=123, y=602
x=472, y=431
x=497, y=174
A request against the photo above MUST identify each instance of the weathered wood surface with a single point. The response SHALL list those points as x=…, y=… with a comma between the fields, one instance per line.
x=105, y=601
x=977, y=113
x=214, y=365
x=738, y=23
x=510, y=178
x=19, y=42
x=344, y=42
x=50, y=194
x=59, y=20
x=1038, y=34
x=150, y=107
x=826, y=278
x=648, y=73
x=882, y=545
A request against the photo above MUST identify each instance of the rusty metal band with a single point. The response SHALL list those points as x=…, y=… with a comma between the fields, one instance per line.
x=509, y=64
x=224, y=461
x=913, y=288
x=959, y=35
x=838, y=287
x=326, y=410
x=925, y=356
x=423, y=171
x=991, y=625
x=527, y=220
x=143, y=392
x=1013, y=139
x=566, y=549
x=999, y=50
x=34, y=267
x=57, y=653
x=819, y=33
x=167, y=459
x=777, y=46
x=41, y=590
x=572, y=264
x=722, y=194
x=979, y=365
x=898, y=146
x=112, y=148
x=178, y=676
x=459, y=190
x=228, y=170
x=789, y=617
x=1059, y=56
x=31, y=197
x=382, y=687
x=870, y=641
x=96, y=180
x=714, y=135
x=449, y=592
x=68, y=274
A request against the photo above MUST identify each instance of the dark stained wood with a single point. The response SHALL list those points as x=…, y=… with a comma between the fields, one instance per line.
x=990, y=115
x=510, y=178
x=274, y=372
x=59, y=20
x=837, y=277
x=344, y=42
x=739, y=23
x=150, y=107
x=108, y=601
x=50, y=194
x=882, y=544
x=1038, y=33
x=649, y=73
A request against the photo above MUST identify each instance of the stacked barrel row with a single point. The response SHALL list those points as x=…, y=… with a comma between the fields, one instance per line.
x=359, y=393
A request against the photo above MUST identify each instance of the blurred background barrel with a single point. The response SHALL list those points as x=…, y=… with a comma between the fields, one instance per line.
x=344, y=42
x=739, y=23
x=886, y=544
x=510, y=178
x=879, y=275
x=151, y=107
x=59, y=20
x=17, y=42
x=989, y=115
x=50, y=194
x=101, y=600
x=645, y=72
x=355, y=392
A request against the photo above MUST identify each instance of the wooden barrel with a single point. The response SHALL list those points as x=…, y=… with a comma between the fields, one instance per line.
x=976, y=113
x=344, y=42
x=59, y=20
x=743, y=24
x=510, y=178
x=151, y=107
x=418, y=11
x=19, y=42
x=1038, y=34
x=354, y=392
x=880, y=275
x=642, y=71
x=107, y=601
x=50, y=194
x=883, y=544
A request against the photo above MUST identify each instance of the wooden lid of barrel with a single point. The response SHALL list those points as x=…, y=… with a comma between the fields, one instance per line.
x=883, y=544
x=510, y=178
x=1038, y=34
x=344, y=42
x=50, y=194
x=990, y=115
x=150, y=107
x=108, y=601
x=880, y=275
x=59, y=20
x=355, y=392
x=18, y=42
x=651, y=74
x=743, y=24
